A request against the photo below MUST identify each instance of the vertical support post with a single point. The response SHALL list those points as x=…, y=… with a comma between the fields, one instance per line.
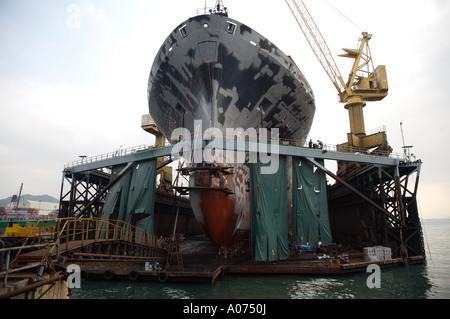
x=72, y=195
x=61, y=196
x=398, y=194
x=356, y=116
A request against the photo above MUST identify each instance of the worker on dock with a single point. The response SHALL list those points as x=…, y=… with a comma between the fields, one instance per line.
x=319, y=144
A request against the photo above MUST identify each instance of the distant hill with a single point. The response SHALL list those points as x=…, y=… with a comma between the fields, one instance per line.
x=44, y=198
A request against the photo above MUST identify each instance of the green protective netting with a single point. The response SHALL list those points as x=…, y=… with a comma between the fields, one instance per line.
x=310, y=223
x=115, y=203
x=133, y=193
x=114, y=207
x=141, y=196
x=268, y=208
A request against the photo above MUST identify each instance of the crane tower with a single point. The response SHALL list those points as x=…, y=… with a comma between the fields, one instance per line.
x=365, y=83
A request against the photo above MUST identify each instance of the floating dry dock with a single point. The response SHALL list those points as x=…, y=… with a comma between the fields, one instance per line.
x=376, y=206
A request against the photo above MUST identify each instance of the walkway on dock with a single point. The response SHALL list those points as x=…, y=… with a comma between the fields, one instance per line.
x=91, y=239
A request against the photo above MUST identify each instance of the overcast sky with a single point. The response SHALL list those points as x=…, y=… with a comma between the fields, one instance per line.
x=77, y=85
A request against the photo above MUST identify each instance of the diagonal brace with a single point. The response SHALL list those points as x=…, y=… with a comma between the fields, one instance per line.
x=354, y=190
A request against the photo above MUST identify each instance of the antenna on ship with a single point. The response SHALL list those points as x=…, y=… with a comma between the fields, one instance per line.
x=220, y=9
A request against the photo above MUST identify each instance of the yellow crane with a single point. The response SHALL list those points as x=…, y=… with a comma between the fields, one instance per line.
x=164, y=170
x=365, y=83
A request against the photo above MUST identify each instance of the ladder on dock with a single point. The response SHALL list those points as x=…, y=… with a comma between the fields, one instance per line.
x=174, y=253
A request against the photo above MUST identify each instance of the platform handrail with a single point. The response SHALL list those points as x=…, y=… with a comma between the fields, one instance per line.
x=84, y=229
x=66, y=230
x=109, y=155
x=281, y=141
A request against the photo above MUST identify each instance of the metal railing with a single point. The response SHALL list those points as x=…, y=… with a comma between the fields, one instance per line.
x=106, y=156
x=5, y=257
x=281, y=141
x=57, y=237
x=87, y=229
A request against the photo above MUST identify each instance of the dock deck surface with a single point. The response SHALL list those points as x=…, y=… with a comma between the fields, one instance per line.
x=202, y=263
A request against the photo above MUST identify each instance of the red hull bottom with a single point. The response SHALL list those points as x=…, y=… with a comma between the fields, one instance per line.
x=218, y=220
x=220, y=202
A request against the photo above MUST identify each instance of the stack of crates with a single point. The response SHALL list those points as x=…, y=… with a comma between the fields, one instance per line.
x=387, y=253
x=377, y=253
x=369, y=254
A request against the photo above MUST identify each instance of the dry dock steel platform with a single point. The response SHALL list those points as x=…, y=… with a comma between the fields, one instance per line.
x=380, y=200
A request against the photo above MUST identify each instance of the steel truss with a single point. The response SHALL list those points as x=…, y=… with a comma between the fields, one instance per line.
x=384, y=213
x=83, y=193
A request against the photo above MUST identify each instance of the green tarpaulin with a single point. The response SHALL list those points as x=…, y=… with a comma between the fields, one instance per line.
x=309, y=204
x=268, y=207
x=133, y=193
x=117, y=194
x=141, y=196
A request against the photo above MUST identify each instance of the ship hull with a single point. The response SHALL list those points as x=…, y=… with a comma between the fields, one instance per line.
x=215, y=72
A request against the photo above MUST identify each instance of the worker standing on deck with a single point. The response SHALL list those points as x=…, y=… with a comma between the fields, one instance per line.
x=320, y=144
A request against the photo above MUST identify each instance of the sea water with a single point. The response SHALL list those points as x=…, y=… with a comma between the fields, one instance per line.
x=424, y=281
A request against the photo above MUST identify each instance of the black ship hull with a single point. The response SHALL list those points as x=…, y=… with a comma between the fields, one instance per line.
x=222, y=73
